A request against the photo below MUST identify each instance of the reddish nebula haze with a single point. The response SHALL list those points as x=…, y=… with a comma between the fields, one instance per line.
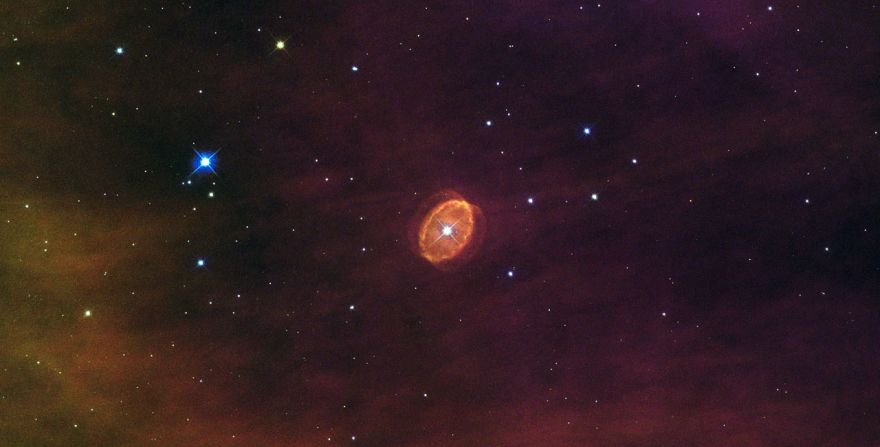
x=226, y=223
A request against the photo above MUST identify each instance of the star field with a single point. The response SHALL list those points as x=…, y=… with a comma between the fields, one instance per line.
x=206, y=215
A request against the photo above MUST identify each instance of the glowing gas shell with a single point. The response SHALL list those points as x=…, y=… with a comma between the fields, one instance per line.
x=449, y=232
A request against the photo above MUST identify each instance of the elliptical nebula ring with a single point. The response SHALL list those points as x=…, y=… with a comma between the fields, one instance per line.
x=447, y=231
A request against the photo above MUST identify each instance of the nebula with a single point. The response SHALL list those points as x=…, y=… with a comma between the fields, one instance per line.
x=450, y=231
x=439, y=224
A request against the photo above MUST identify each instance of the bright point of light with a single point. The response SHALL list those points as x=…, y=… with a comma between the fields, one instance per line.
x=200, y=263
x=119, y=50
x=351, y=307
x=663, y=314
x=354, y=68
x=634, y=161
x=807, y=201
x=447, y=230
x=587, y=131
x=211, y=194
x=510, y=273
x=530, y=200
x=594, y=196
x=279, y=44
x=204, y=160
x=488, y=123
x=87, y=313
x=770, y=8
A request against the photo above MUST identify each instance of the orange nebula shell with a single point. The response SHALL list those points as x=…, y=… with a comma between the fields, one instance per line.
x=449, y=231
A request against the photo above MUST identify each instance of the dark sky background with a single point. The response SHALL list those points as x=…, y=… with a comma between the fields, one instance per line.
x=720, y=289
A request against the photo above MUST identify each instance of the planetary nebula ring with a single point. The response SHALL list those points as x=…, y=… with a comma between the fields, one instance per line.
x=447, y=231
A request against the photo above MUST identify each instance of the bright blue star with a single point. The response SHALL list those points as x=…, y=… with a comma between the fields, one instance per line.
x=119, y=50
x=204, y=160
x=587, y=131
x=200, y=263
